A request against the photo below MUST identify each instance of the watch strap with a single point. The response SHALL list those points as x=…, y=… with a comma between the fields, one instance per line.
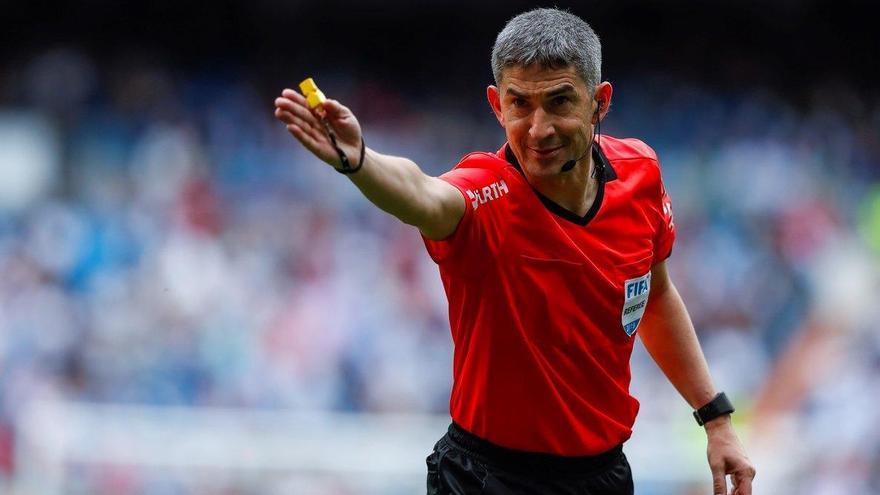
x=718, y=406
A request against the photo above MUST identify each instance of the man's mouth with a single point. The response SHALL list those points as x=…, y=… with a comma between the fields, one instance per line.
x=545, y=152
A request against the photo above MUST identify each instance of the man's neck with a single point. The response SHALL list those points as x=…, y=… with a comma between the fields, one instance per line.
x=574, y=190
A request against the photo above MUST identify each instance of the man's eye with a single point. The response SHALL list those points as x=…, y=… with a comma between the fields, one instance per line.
x=519, y=102
x=561, y=100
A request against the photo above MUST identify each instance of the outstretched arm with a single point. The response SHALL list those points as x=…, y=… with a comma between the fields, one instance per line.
x=394, y=184
x=669, y=337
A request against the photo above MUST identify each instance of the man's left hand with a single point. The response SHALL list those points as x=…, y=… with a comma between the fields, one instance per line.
x=727, y=457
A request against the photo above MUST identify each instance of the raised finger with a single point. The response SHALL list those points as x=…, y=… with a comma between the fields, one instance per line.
x=316, y=133
x=289, y=118
x=306, y=116
x=288, y=104
x=304, y=119
x=299, y=99
x=283, y=115
x=294, y=95
x=304, y=137
x=300, y=110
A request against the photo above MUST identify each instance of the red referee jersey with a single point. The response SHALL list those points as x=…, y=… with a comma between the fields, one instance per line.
x=544, y=304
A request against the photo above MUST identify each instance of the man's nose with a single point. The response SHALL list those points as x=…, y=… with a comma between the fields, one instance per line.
x=541, y=126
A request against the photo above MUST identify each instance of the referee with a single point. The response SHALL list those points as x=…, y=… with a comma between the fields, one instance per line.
x=552, y=252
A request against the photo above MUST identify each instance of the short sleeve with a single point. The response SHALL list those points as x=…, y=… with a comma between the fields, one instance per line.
x=480, y=229
x=664, y=236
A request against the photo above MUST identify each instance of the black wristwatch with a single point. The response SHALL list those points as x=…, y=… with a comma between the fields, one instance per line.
x=719, y=406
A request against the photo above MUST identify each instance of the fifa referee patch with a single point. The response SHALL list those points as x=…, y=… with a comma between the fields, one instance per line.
x=635, y=298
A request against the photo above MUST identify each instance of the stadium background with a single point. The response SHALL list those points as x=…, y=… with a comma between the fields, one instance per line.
x=189, y=303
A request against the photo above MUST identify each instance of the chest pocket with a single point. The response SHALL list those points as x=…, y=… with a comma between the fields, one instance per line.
x=552, y=300
x=563, y=304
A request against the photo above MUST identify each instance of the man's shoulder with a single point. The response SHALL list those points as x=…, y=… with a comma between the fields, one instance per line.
x=633, y=161
x=616, y=149
x=479, y=168
x=494, y=162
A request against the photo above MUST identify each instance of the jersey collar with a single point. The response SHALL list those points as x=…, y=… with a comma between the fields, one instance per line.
x=605, y=172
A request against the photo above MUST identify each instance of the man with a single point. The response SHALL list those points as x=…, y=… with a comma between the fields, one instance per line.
x=548, y=250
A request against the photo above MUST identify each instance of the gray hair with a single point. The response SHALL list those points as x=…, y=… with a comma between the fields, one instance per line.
x=553, y=38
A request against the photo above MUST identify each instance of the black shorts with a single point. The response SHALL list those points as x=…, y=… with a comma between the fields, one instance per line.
x=462, y=463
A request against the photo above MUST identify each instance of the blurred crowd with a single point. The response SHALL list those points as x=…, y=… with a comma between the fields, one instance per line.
x=164, y=241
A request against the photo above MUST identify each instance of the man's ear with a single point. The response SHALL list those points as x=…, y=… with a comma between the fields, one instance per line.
x=602, y=101
x=494, y=97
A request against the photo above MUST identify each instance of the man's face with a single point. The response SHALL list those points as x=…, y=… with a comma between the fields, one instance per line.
x=546, y=114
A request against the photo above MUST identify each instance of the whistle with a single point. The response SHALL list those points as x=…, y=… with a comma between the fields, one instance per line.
x=313, y=95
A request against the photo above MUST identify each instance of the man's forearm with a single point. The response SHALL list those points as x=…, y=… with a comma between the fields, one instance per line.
x=397, y=185
x=392, y=183
x=669, y=337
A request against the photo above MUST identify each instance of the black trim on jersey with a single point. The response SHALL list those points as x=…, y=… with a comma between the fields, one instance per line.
x=605, y=171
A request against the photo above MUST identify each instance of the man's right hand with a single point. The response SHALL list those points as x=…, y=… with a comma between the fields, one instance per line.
x=305, y=124
x=394, y=184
